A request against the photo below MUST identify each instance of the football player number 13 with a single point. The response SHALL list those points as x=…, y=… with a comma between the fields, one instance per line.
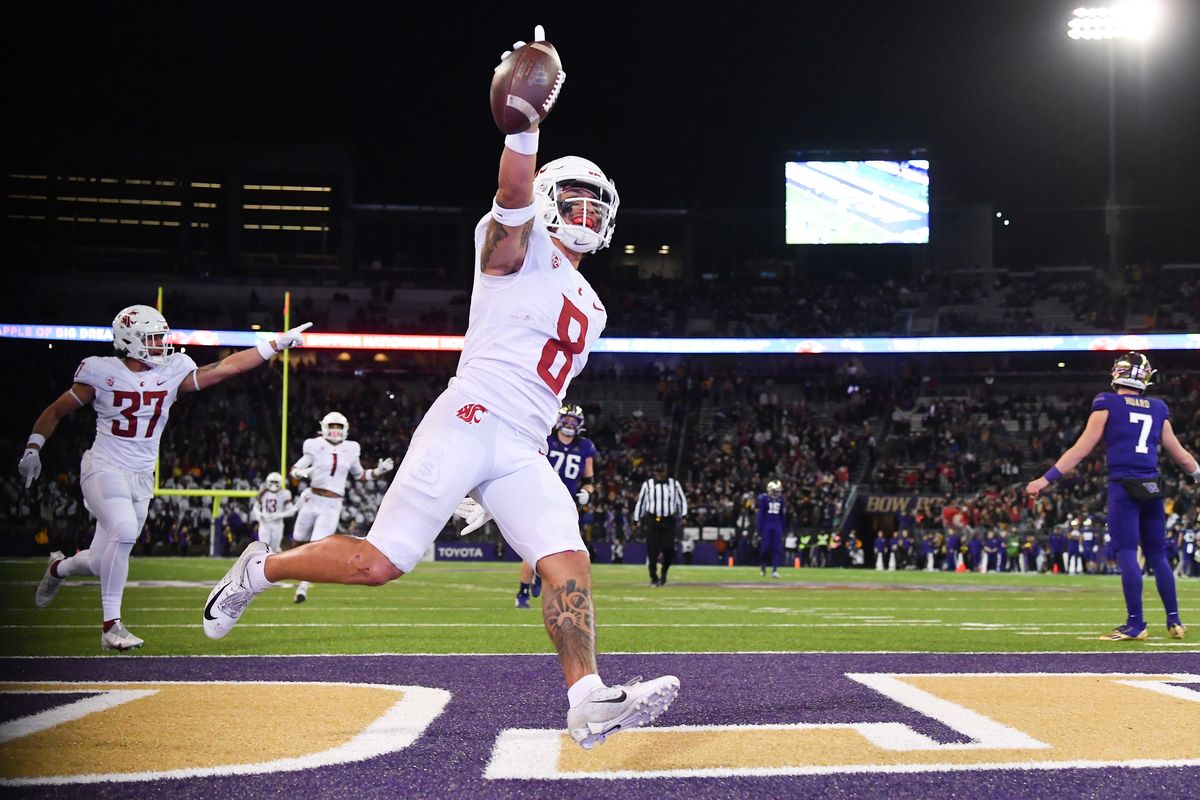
x=566, y=345
x=128, y=404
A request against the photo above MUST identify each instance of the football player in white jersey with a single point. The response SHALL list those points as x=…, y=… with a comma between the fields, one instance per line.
x=533, y=321
x=271, y=507
x=131, y=393
x=326, y=462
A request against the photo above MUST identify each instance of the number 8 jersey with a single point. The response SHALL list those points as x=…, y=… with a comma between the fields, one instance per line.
x=1132, y=433
x=530, y=333
x=132, y=407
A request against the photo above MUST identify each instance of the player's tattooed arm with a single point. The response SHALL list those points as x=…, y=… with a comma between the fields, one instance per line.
x=214, y=373
x=568, y=613
x=502, y=252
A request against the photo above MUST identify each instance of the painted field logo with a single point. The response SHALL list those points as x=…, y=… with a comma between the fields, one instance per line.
x=471, y=413
x=199, y=729
x=1003, y=721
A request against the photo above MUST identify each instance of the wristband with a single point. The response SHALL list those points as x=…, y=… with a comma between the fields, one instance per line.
x=512, y=217
x=266, y=348
x=1052, y=475
x=36, y=439
x=524, y=143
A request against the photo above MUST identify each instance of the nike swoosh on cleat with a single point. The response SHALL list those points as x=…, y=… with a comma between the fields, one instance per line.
x=208, y=608
x=620, y=699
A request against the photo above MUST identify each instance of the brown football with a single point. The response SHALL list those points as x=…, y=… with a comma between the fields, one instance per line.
x=525, y=87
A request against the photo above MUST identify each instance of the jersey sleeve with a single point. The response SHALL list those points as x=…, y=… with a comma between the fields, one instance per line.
x=307, y=454
x=182, y=367
x=1098, y=403
x=589, y=448
x=87, y=373
x=356, y=467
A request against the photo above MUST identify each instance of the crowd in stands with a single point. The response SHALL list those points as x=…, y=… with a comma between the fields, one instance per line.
x=821, y=429
x=844, y=303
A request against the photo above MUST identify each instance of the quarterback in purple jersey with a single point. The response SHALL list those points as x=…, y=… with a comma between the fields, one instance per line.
x=772, y=521
x=574, y=459
x=1132, y=427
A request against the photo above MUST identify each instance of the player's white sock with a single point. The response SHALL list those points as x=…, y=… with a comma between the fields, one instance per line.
x=256, y=574
x=302, y=588
x=114, y=571
x=78, y=564
x=580, y=689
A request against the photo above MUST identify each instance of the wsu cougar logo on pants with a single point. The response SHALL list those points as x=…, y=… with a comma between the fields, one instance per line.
x=471, y=413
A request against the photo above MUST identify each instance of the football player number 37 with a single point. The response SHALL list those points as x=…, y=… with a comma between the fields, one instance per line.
x=128, y=404
x=565, y=345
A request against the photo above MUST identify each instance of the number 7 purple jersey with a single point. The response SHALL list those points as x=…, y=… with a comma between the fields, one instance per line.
x=1132, y=433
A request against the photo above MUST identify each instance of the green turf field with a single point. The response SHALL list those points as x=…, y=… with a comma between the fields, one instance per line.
x=465, y=608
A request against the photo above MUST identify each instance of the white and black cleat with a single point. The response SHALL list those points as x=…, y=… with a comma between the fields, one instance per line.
x=614, y=709
x=232, y=594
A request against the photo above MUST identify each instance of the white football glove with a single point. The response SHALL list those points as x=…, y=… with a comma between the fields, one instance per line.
x=539, y=35
x=291, y=338
x=582, y=497
x=301, y=473
x=384, y=466
x=30, y=466
x=474, y=514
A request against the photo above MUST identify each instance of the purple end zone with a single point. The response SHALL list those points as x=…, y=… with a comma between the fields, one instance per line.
x=14, y=706
x=490, y=693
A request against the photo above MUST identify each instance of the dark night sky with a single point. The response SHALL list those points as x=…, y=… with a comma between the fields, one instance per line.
x=682, y=106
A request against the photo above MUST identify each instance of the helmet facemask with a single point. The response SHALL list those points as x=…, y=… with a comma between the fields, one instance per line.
x=579, y=204
x=142, y=333
x=335, y=427
x=570, y=421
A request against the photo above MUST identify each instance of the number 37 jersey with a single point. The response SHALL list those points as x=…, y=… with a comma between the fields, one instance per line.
x=132, y=407
x=1132, y=433
x=530, y=333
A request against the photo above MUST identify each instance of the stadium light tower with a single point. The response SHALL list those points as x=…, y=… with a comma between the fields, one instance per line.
x=1134, y=20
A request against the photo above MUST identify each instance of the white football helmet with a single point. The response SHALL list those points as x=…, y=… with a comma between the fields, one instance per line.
x=335, y=435
x=141, y=333
x=274, y=482
x=774, y=488
x=567, y=217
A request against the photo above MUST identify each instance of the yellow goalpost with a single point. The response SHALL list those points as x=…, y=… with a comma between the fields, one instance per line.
x=217, y=494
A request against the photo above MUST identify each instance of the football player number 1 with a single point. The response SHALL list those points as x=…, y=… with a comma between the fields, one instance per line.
x=1145, y=420
x=128, y=404
x=565, y=345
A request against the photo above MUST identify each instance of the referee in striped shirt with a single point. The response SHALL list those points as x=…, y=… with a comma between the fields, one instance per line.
x=660, y=506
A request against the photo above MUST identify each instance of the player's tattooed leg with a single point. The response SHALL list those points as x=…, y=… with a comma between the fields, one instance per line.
x=568, y=613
